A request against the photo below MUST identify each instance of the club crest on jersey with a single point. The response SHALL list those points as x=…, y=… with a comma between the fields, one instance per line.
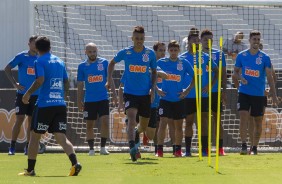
x=128, y=52
x=244, y=53
x=145, y=57
x=258, y=60
x=214, y=57
x=100, y=67
x=179, y=67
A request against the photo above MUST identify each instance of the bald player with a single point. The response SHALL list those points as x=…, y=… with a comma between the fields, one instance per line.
x=94, y=102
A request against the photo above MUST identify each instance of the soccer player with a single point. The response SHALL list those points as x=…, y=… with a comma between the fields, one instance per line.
x=171, y=108
x=190, y=99
x=93, y=74
x=26, y=76
x=207, y=35
x=139, y=85
x=50, y=113
x=254, y=64
x=266, y=93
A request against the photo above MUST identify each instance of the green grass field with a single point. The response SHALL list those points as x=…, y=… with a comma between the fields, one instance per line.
x=117, y=168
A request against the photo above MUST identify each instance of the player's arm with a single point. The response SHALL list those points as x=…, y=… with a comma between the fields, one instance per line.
x=66, y=88
x=237, y=76
x=273, y=74
x=80, y=94
x=271, y=85
x=113, y=89
x=8, y=71
x=154, y=81
x=111, y=68
x=120, y=97
x=35, y=85
x=162, y=74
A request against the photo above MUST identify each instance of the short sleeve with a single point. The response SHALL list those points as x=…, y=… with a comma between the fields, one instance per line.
x=80, y=74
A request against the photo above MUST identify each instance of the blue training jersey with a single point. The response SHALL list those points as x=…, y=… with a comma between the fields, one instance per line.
x=176, y=71
x=137, y=65
x=253, y=70
x=204, y=72
x=54, y=72
x=94, y=75
x=26, y=72
x=215, y=58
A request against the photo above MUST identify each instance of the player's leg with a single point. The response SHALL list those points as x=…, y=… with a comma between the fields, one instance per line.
x=251, y=123
x=214, y=114
x=190, y=110
x=103, y=112
x=131, y=133
x=21, y=109
x=204, y=138
x=178, y=115
x=171, y=132
x=58, y=127
x=257, y=111
x=90, y=115
x=243, y=107
x=151, y=129
x=29, y=111
x=144, y=111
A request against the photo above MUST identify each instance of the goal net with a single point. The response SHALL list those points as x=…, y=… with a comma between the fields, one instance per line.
x=72, y=24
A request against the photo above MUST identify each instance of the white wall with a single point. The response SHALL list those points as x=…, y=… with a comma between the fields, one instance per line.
x=14, y=29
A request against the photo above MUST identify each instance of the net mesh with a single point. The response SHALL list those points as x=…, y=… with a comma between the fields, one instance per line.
x=70, y=27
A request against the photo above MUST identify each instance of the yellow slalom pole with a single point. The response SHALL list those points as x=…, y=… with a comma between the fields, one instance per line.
x=218, y=104
x=196, y=91
x=200, y=100
x=210, y=98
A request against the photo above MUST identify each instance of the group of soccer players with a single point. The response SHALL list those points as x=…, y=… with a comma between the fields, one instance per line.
x=157, y=91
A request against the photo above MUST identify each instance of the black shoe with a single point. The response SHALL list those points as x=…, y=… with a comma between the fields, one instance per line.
x=244, y=149
x=254, y=150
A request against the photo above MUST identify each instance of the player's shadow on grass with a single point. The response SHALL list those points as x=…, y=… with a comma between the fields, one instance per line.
x=142, y=163
x=52, y=176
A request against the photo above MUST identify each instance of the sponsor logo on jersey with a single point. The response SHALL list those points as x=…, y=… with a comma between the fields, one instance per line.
x=95, y=78
x=30, y=71
x=199, y=72
x=128, y=52
x=56, y=95
x=252, y=73
x=56, y=83
x=100, y=67
x=137, y=68
x=145, y=57
x=173, y=77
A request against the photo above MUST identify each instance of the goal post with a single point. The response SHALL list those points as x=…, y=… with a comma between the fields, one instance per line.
x=71, y=24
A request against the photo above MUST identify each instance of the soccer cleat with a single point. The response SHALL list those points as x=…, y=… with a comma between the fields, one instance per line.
x=160, y=153
x=178, y=153
x=91, y=153
x=42, y=148
x=25, y=150
x=204, y=152
x=221, y=152
x=138, y=154
x=244, y=150
x=12, y=151
x=75, y=169
x=145, y=140
x=104, y=151
x=254, y=151
x=26, y=173
x=133, y=152
x=187, y=154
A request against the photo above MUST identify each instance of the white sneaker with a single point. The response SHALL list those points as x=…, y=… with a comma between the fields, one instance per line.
x=91, y=153
x=103, y=151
